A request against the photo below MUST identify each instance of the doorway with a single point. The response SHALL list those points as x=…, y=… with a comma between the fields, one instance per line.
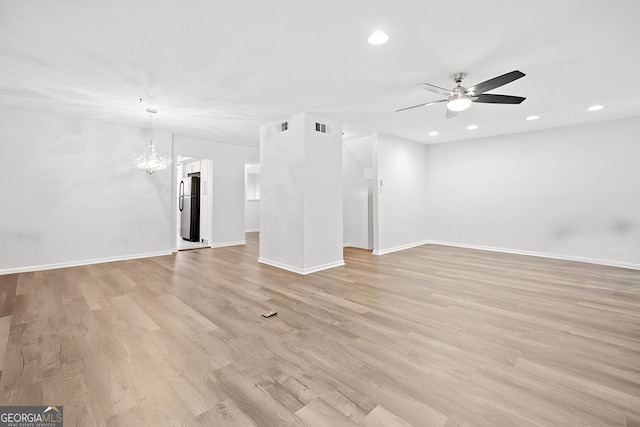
x=194, y=194
x=252, y=197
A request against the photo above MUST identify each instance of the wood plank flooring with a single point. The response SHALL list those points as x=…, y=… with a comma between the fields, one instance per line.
x=430, y=336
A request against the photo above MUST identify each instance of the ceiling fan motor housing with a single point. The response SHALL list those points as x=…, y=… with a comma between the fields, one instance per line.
x=458, y=92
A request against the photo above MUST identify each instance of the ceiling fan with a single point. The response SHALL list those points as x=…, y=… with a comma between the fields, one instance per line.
x=460, y=98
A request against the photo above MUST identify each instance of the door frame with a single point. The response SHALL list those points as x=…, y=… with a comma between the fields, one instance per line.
x=206, y=192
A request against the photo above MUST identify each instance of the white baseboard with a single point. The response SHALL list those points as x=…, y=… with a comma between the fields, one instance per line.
x=399, y=248
x=610, y=263
x=321, y=267
x=252, y=230
x=81, y=262
x=225, y=244
x=298, y=270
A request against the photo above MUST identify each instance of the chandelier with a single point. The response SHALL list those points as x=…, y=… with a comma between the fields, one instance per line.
x=151, y=160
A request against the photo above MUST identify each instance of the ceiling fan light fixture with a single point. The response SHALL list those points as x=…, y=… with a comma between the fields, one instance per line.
x=459, y=104
x=460, y=97
x=378, y=38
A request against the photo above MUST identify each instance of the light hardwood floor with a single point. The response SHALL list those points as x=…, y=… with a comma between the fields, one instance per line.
x=430, y=336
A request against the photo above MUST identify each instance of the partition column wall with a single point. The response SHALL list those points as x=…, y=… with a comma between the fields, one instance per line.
x=301, y=193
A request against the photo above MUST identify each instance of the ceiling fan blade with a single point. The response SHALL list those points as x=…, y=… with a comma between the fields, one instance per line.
x=434, y=89
x=451, y=114
x=421, y=105
x=491, y=98
x=495, y=82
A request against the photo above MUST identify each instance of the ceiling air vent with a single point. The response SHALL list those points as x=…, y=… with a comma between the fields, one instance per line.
x=321, y=127
x=284, y=126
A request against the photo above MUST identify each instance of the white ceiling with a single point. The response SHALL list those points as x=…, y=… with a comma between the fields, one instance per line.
x=219, y=69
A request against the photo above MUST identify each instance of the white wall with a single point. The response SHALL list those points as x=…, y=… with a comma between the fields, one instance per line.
x=282, y=193
x=252, y=216
x=357, y=157
x=251, y=207
x=71, y=195
x=323, y=213
x=227, y=199
x=571, y=192
x=301, y=194
x=400, y=196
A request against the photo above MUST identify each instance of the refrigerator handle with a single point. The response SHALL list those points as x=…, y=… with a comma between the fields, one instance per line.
x=181, y=198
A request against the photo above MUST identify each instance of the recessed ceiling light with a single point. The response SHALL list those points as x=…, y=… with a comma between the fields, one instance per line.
x=595, y=108
x=433, y=133
x=533, y=118
x=472, y=127
x=378, y=38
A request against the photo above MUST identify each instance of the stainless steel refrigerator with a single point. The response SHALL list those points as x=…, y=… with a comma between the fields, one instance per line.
x=189, y=205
